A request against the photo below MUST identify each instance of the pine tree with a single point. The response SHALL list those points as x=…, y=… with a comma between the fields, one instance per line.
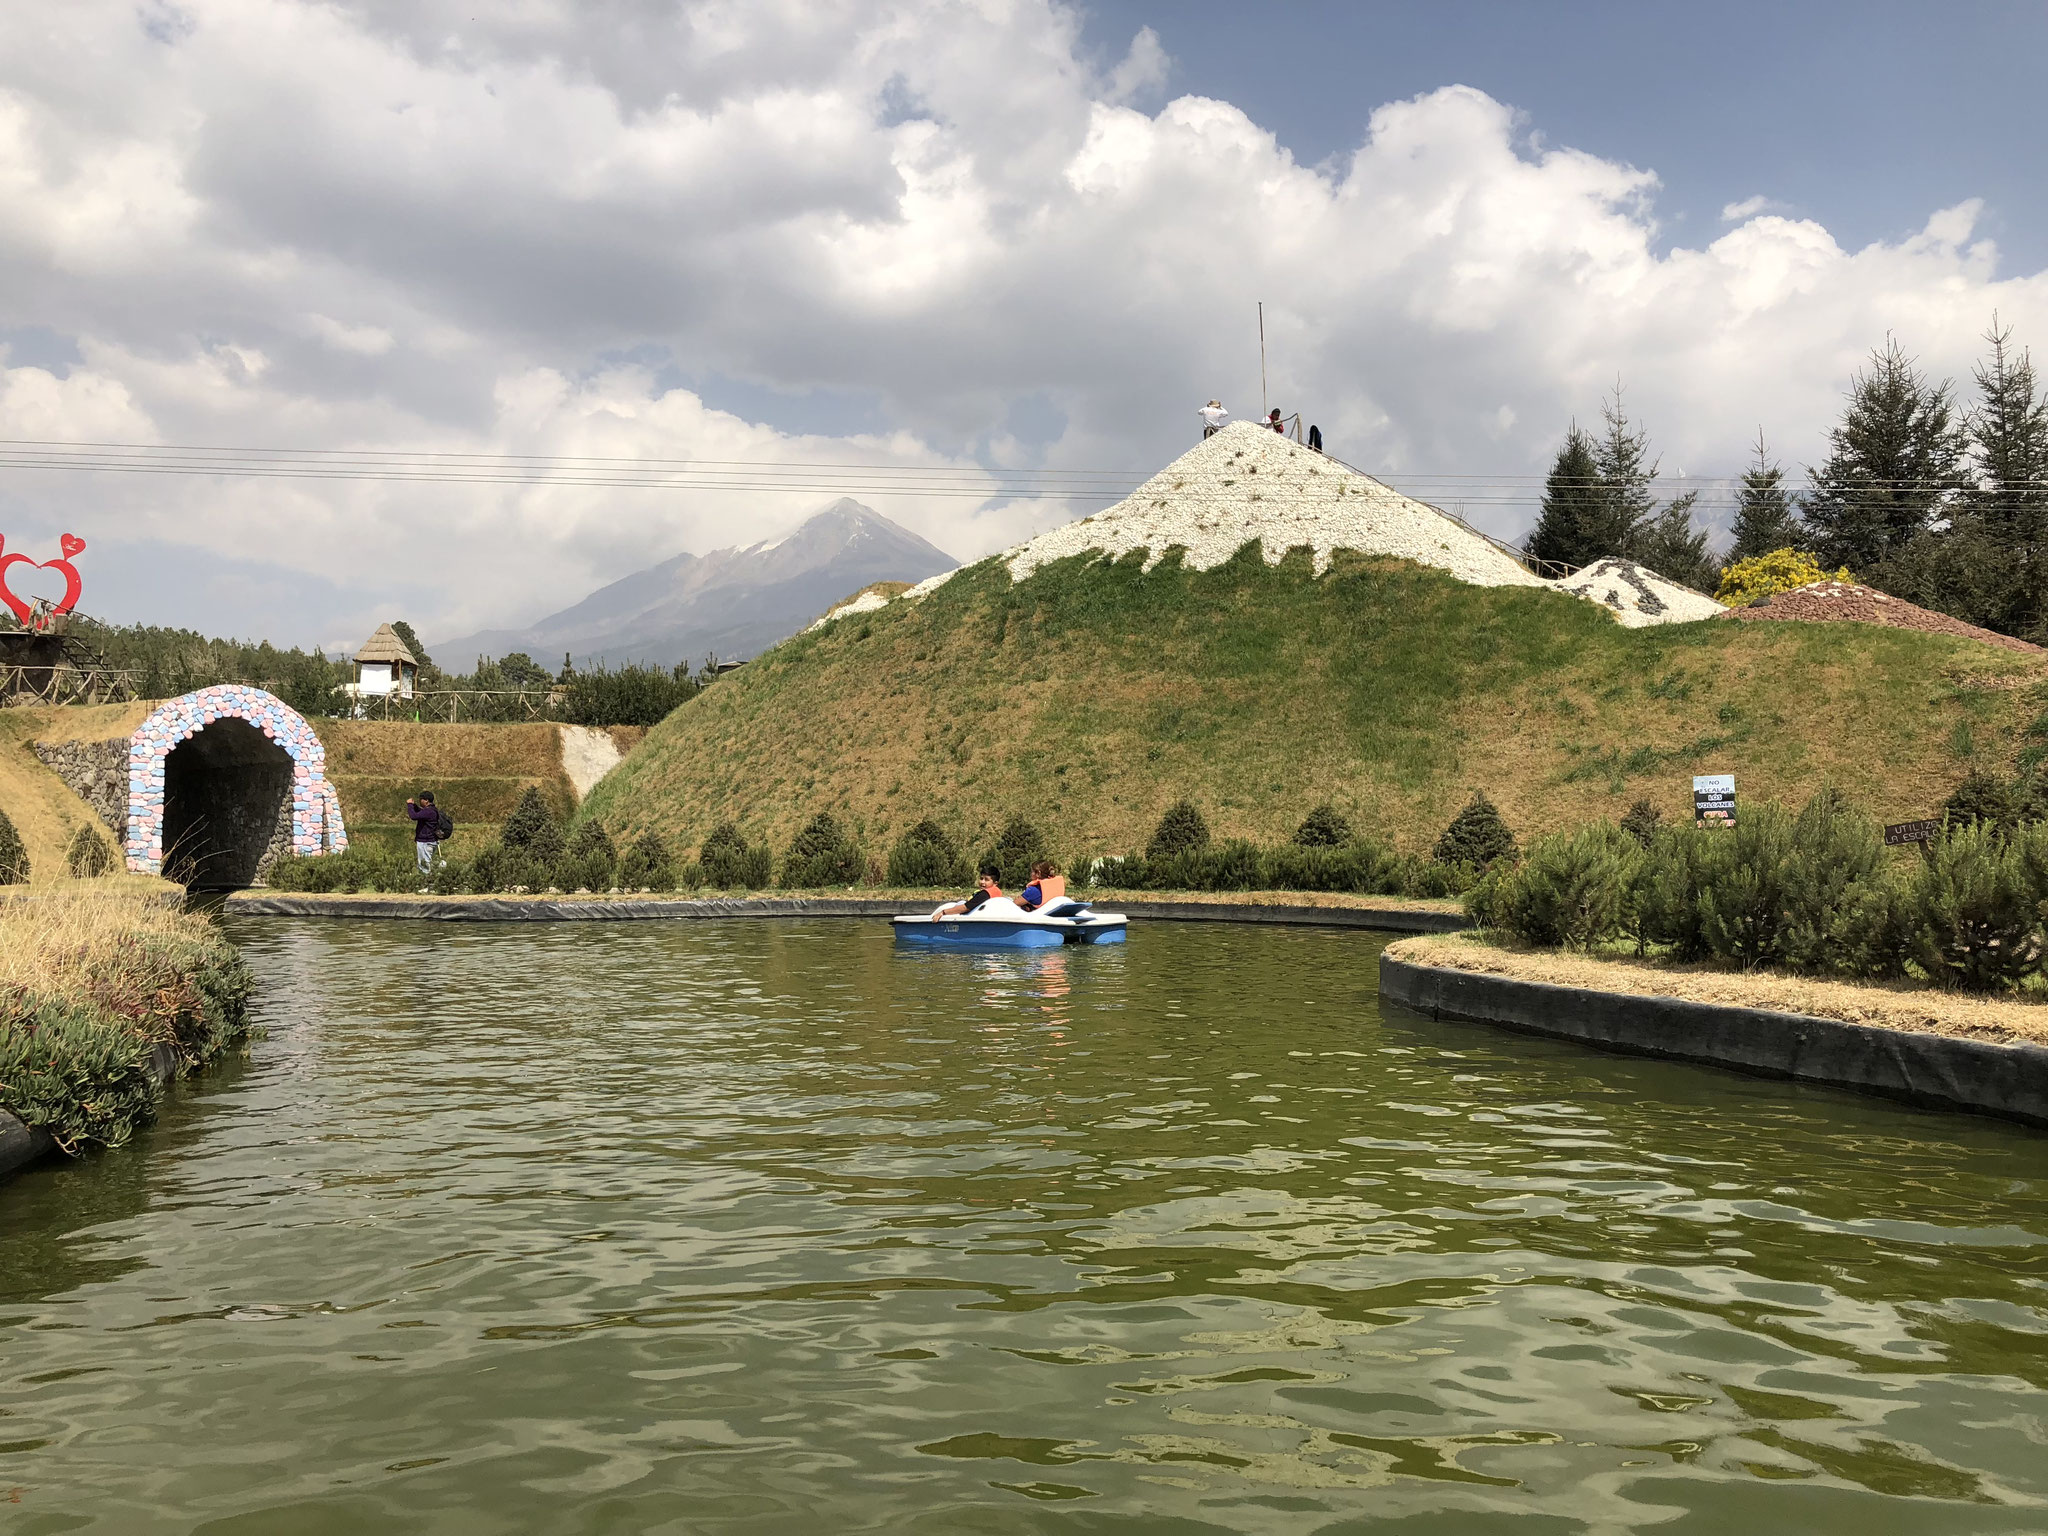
x=14, y=860
x=532, y=829
x=1477, y=835
x=404, y=632
x=1893, y=463
x=1627, y=473
x=1764, y=516
x=1569, y=529
x=1181, y=830
x=2008, y=433
x=1670, y=545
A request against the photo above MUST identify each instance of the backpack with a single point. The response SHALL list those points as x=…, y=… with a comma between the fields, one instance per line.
x=444, y=825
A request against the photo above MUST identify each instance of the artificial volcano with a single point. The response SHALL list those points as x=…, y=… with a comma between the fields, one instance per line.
x=1262, y=630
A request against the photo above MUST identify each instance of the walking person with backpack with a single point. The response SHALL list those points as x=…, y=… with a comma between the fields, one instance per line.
x=431, y=826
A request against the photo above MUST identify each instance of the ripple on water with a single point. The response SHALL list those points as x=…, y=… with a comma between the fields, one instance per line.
x=708, y=1227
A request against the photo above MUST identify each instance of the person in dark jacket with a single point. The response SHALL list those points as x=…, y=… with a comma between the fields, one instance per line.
x=1315, y=437
x=426, y=828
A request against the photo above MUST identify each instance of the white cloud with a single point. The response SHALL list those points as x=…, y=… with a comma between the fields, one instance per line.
x=391, y=225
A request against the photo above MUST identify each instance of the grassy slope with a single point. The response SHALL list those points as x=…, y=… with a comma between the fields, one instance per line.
x=43, y=811
x=1091, y=695
x=478, y=772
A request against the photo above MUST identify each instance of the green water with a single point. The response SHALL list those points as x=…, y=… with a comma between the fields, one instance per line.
x=760, y=1227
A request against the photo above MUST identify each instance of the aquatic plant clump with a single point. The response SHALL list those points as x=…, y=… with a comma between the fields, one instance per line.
x=93, y=981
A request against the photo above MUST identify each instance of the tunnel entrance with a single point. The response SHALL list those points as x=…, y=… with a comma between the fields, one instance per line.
x=227, y=805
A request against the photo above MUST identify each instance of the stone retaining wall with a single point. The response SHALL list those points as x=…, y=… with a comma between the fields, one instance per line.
x=96, y=772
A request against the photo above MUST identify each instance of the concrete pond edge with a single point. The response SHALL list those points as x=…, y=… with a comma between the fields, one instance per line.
x=482, y=909
x=1933, y=1071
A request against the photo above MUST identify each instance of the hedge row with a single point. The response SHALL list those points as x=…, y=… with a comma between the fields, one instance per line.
x=534, y=854
x=1816, y=893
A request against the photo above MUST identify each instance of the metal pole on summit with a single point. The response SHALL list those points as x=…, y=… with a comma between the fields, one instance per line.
x=1262, y=359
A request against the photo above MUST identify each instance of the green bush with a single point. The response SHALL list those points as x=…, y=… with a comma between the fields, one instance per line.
x=1476, y=836
x=66, y=1068
x=1180, y=831
x=1745, y=875
x=924, y=857
x=633, y=695
x=14, y=862
x=1323, y=827
x=1574, y=889
x=1981, y=797
x=1667, y=892
x=727, y=863
x=1019, y=846
x=593, y=860
x=820, y=855
x=363, y=867
x=1231, y=866
x=90, y=854
x=1357, y=866
x=1973, y=909
x=532, y=830
x=648, y=865
x=1839, y=916
x=1641, y=822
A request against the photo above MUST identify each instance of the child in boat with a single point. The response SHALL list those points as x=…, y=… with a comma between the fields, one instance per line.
x=988, y=892
x=1047, y=886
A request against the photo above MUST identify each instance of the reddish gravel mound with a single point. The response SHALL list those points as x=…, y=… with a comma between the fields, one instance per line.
x=1821, y=602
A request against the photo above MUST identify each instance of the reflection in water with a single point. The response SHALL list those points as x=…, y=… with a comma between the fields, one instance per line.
x=750, y=1227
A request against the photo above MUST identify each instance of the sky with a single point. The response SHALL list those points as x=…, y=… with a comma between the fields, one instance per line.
x=933, y=253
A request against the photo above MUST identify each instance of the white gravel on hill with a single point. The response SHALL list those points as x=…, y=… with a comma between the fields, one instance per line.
x=865, y=601
x=1249, y=483
x=1637, y=595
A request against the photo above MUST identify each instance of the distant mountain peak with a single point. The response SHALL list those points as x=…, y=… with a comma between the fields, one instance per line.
x=735, y=601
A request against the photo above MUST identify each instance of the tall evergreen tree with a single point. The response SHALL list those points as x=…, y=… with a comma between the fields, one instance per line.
x=1669, y=544
x=1764, y=516
x=1893, y=464
x=1569, y=529
x=2008, y=434
x=1627, y=475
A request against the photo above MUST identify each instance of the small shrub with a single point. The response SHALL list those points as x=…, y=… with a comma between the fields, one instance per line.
x=1641, y=822
x=1181, y=830
x=821, y=854
x=925, y=857
x=1745, y=880
x=648, y=864
x=90, y=854
x=1981, y=798
x=1973, y=910
x=532, y=830
x=1232, y=866
x=1834, y=925
x=594, y=859
x=1476, y=836
x=1357, y=866
x=1782, y=570
x=14, y=861
x=1666, y=904
x=1018, y=848
x=1323, y=827
x=726, y=862
x=1572, y=890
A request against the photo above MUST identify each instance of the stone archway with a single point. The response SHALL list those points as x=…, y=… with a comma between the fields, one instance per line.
x=224, y=780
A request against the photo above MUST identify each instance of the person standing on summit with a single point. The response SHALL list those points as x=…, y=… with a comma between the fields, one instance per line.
x=1213, y=416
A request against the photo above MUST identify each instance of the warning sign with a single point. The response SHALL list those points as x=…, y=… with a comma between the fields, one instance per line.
x=1713, y=800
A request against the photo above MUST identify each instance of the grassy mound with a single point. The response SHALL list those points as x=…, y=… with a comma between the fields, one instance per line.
x=1092, y=695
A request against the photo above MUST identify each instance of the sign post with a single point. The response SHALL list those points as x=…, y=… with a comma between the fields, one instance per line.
x=1911, y=832
x=1713, y=800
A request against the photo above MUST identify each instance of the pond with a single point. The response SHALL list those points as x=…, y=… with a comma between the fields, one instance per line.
x=764, y=1227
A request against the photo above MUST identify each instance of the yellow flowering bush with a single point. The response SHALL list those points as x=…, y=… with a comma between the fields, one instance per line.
x=1744, y=581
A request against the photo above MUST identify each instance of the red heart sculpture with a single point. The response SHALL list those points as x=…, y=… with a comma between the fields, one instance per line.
x=71, y=545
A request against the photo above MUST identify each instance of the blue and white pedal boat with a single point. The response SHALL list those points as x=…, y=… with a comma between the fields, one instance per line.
x=1002, y=924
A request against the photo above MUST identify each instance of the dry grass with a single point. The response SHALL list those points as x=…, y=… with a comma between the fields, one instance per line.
x=56, y=940
x=1888, y=1005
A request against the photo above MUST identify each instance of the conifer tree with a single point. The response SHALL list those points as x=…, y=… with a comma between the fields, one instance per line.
x=1569, y=528
x=1764, y=516
x=2008, y=433
x=14, y=860
x=1893, y=464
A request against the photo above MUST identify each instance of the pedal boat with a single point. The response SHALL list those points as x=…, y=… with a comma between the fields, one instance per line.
x=1002, y=924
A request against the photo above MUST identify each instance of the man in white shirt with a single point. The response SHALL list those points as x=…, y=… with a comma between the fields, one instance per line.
x=1213, y=416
